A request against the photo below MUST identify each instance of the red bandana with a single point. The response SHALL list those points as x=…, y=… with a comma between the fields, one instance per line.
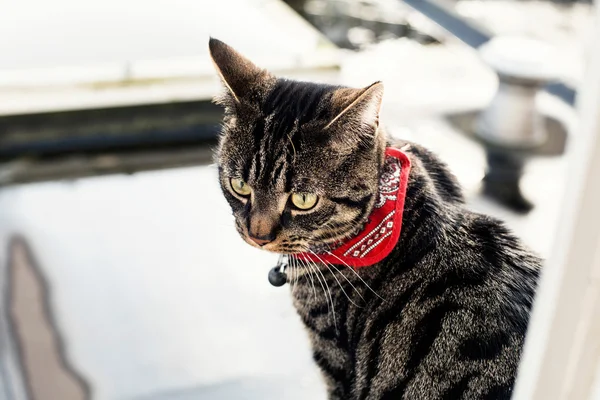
x=382, y=231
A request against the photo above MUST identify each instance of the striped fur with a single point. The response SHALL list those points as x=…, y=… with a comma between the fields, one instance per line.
x=447, y=313
x=444, y=315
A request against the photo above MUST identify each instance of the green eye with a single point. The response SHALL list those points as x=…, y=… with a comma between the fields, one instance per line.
x=240, y=187
x=304, y=201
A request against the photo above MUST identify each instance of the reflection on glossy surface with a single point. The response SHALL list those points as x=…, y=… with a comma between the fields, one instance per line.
x=35, y=333
x=154, y=291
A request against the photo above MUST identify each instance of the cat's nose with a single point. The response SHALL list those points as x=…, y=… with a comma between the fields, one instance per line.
x=262, y=227
x=261, y=240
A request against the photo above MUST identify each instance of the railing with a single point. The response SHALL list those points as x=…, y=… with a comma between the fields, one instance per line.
x=475, y=36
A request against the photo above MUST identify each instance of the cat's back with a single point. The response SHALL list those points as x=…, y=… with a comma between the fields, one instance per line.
x=453, y=326
x=459, y=289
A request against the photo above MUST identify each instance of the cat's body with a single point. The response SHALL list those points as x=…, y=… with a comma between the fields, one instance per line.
x=448, y=310
x=444, y=315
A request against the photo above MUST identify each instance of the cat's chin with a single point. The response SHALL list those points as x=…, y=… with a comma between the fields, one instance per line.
x=273, y=248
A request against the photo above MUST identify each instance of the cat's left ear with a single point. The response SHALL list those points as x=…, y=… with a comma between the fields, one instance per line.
x=358, y=109
x=239, y=75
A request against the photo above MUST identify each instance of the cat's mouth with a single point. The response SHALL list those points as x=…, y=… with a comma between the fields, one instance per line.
x=284, y=246
x=279, y=245
x=288, y=245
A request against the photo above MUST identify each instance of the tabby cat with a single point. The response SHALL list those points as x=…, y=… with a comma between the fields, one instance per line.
x=443, y=315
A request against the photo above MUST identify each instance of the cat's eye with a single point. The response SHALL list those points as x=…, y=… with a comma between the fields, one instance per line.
x=240, y=187
x=304, y=201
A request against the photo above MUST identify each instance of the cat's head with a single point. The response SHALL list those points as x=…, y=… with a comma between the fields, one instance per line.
x=298, y=162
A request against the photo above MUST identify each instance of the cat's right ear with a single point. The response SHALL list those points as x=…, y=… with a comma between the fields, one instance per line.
x=239, y=75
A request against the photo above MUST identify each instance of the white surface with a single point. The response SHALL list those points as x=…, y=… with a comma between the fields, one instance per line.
x=596, y=389
x=562, y=353
x=47, y=34
x=153, y=288
x=522, y=57
x=420, y=80
x=568, y=28
x=67, y=54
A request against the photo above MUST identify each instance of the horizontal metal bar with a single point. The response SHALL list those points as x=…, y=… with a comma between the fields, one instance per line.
x=115, y=130
x=66, y=145
x=562, y=91
x=451, y=21
x=80, y=166
x=100, y=142
x=475, y=36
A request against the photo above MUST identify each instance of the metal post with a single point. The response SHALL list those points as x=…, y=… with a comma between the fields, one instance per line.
x=511, y=128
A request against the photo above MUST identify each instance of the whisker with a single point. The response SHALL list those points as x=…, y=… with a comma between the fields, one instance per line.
x=336, y=279
x=330, y=296
x=298, y=273
x=310, y=275
x=328, y=299
x=359, y=277
x=344, y=275
x=349, y=281
x=289, y=270
x=294, y=280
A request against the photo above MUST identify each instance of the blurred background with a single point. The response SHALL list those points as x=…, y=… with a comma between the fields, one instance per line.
x=121, y=274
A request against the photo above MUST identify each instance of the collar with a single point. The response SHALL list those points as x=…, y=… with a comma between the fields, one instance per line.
x=382, y=231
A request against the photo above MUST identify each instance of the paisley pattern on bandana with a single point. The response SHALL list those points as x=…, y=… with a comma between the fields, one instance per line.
x=389, y=181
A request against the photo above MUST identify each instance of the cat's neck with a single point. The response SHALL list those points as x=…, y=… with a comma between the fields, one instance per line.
x=429, y=209
x=432, y=205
